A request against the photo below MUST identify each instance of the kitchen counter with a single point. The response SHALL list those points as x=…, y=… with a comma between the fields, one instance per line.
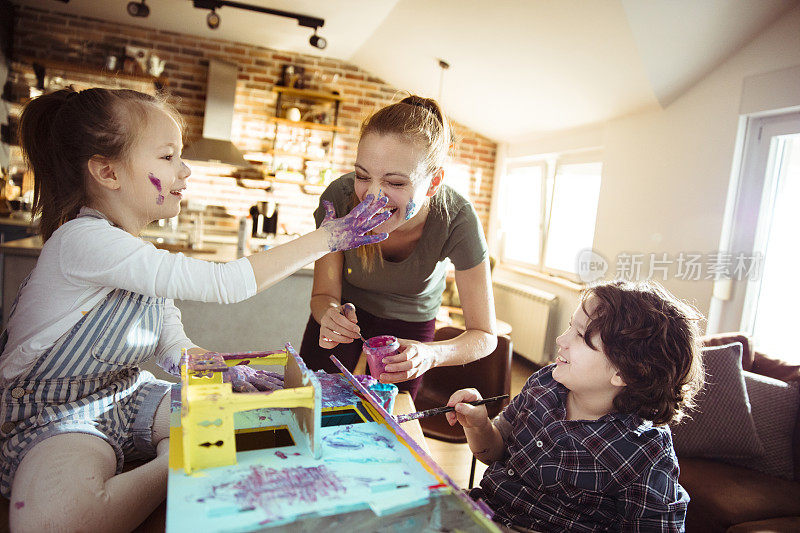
x=270, y=318
x=210, y=251
x=18, y=220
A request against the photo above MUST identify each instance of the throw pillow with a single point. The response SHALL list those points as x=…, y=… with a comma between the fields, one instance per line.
x=721, y=425
x=774, y=406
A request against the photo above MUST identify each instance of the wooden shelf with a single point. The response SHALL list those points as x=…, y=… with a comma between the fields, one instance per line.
x=306, y=125
x=262, y=157
x=266, y=183
x=282, y=153
x=307, y=93
x=83, y=68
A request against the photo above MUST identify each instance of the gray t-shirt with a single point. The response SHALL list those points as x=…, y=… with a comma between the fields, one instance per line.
x=410, y=289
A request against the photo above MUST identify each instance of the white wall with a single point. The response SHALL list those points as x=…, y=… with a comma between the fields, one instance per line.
x=667, y=171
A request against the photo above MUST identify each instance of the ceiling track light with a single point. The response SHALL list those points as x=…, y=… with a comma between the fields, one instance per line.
x=138, y=9
x=317, y=42
x=213, y=19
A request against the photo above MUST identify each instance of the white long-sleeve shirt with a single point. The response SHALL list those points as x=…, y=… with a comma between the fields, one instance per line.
x=87, y=258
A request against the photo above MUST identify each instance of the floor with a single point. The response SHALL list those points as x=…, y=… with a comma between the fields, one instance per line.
x=455, y=458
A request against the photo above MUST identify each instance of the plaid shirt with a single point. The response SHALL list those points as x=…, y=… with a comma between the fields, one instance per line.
x=617, y=473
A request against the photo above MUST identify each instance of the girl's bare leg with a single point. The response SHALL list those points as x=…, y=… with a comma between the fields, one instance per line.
x=67, y=483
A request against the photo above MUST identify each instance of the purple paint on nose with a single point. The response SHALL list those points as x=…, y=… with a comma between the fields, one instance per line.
x=410, y=207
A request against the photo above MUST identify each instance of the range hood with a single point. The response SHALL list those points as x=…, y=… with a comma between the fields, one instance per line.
x=215, y=147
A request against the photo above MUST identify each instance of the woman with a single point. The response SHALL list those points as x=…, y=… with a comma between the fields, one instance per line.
x=396, y=286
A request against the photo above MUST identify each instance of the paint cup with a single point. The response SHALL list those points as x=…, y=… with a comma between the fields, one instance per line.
x=376, y=349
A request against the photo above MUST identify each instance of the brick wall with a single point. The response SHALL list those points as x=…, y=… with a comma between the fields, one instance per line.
x=85, y=40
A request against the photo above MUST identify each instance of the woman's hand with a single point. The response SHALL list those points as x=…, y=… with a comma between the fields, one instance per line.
x=414, y=359
x=338, y=325
x=469, y=416
x=350, y=230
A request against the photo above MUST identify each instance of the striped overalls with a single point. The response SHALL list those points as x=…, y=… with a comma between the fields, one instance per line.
x=89, y=382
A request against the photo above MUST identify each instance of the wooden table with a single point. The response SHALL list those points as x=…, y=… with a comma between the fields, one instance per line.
x=403, y=405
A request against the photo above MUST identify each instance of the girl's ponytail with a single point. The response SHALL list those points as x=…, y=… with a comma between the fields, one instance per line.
x=59, y=189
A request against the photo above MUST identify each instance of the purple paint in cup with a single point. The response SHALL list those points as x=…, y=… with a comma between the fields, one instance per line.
x=376, y=349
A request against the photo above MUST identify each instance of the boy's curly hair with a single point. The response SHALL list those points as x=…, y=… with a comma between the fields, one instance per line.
x=651, y=338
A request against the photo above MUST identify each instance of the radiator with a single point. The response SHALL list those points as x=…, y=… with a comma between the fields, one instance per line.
x=528, y=310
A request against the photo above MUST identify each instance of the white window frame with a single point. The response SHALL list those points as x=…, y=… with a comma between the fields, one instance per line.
x=550, y=164
x=744, y=232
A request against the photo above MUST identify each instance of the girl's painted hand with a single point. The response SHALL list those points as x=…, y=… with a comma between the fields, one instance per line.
x=414, y=359
x=469, y=416
x=246, y=379
x=350, y=230
x=338, y=325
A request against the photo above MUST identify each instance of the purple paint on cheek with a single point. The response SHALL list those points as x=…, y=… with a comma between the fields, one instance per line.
x=19, y=505
x=157, y=184
x=155, y=181
x=410, y=209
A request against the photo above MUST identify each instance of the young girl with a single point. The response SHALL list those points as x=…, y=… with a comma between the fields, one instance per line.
x=585, y=446
x=396, y=286
x=99, y=302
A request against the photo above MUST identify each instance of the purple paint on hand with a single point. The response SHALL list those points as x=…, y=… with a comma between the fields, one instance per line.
x=247, y=379
x=351, y=230
x=157, y=184
x=410, y=209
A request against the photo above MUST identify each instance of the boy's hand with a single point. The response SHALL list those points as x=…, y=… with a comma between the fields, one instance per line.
x=469, y=416
x=351, y=230
x=338, y=325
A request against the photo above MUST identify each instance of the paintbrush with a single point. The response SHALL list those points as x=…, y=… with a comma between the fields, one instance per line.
x=343, y=314
x=440, y=410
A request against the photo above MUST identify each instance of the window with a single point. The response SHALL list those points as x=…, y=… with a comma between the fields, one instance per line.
x=771, y=313
x=547, y=212
x=520, y=216
x=763, y=226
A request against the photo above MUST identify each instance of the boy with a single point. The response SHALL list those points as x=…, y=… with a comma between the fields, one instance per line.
x=585, y=446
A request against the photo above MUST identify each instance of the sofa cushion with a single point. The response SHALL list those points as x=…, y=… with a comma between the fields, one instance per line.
x=722, y=424
x=774, y=405
x=788, y=524
x=723, y=495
